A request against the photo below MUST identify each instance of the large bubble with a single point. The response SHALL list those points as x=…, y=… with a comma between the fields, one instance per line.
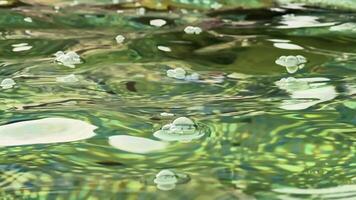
x=181, y=129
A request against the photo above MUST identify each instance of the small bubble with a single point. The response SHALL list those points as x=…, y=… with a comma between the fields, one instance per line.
x=158, y=22
x=120, y=39
x=193, y=30
x=69, y=59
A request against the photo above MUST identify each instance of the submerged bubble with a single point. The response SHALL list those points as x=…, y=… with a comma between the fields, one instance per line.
x=67, y=79
x=158, y=22
x=45, y=131
x=120, y=39
x=166, y=180
x=7, y=83
x=181, y=129
x=193, y=30
x=291, y=63
x=69, y=59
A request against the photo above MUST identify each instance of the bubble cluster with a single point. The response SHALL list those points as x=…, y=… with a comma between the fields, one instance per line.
x=69, y=59
x=291, y=63
x=181, y=129
x=193, y=30
x=180, y=73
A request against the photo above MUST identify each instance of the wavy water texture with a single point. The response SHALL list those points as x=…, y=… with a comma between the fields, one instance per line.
x=83, y=126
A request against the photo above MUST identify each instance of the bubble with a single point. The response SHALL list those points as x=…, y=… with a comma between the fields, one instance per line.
x=178, y=73
x=181, y=74
x=181, y=129
x=193, y=30
x=166, y=180
x=67, y=79
x=164, y=48
x=291, y=63
x=158, y=22
x=7, y=83
x=45, y=131
x=120, y=39
x=69, y=59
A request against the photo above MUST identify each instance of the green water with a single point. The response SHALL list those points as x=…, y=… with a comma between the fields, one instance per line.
x=261, y=137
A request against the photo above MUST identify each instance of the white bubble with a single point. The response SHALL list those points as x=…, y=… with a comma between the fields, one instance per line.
x=69, y=59
x=192, y=30
x=158, y=22
x=120, y=39
x=166, y=180
x=291, y=63
x=7, y=83
x=45, y=131
x=181, y=129
x=178, y=73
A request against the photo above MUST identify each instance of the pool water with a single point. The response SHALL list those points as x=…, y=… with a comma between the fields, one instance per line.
x=129, y=101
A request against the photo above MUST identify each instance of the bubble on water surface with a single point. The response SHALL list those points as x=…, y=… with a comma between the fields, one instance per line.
x=192, y=30
x=120, y=39
x=7, y=83
x=45, y=131
x=69, y=59
x=166, y=180
x=181, y=74
x=158, y=22
x=291, y=63
x=67, y=79
x=181, y=129
x=136, y=144
x=178, y=73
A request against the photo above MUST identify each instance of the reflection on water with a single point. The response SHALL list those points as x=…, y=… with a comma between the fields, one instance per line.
x=93, y=93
